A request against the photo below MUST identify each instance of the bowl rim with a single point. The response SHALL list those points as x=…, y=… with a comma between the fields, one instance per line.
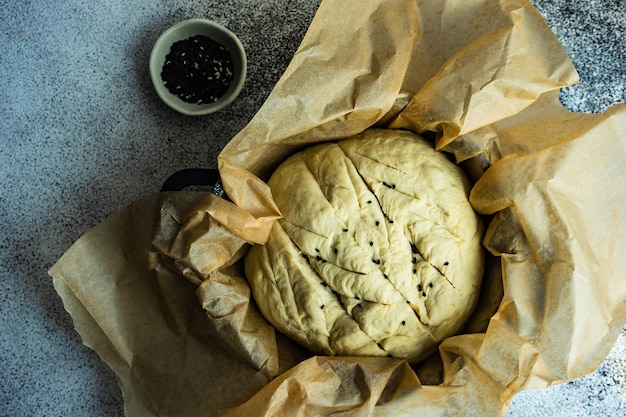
x=161, y=48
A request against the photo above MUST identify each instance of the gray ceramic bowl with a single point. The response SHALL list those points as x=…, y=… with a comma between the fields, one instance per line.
x=185, y=30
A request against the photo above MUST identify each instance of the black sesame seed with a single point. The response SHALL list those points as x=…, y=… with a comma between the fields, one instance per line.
x=408, y=302
x=356, y=297
x=322, y=307
x=371, y=243
x=380, y=346
x=376, y=261
x=430, y=285
x=419, y=287
x=413, y=247
x=423, y=294
x=369, y=201
x=446, y=263
x=415, y=271
x=187, y=69
x=414, y=261
x=317, y=250
x=385, y=275
x=390, y=221
x=403, y=322
x=335, y=250
x=377, y=223
x=345, y=230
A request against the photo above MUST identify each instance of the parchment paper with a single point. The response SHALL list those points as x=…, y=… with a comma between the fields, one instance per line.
x=158, y=291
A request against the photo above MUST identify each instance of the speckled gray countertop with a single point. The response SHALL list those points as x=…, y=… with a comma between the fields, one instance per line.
x=83, y=134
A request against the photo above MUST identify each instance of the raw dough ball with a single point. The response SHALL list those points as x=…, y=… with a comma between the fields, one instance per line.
x=378, y=252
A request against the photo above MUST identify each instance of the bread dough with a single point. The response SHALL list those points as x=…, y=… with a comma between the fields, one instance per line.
x=378, y=252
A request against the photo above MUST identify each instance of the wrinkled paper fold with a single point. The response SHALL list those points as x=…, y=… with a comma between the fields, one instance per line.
x=158, y=289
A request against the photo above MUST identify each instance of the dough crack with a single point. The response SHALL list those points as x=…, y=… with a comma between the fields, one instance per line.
x=435, y=206
x=419, y=318
x=388, y=225
x=313, y=232
x=392, y=186
x=316, y=260
x=442, y=274
x=317, y=255
x=295, y=318
x=415, y=252
x=376, y=161
x=306, y=162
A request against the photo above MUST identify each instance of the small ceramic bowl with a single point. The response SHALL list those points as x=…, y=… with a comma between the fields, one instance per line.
x=183, y=31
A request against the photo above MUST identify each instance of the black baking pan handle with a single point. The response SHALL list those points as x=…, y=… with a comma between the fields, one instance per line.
x=191, y=177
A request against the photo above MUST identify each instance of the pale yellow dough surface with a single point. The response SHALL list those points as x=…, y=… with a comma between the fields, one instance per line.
x=378, y=252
